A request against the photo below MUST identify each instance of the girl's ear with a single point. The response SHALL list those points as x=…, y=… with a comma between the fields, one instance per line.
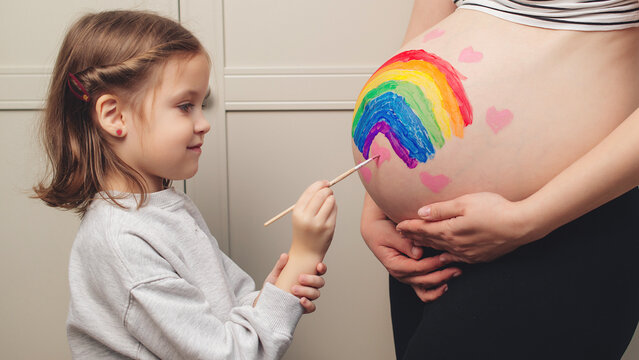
x=110, y=113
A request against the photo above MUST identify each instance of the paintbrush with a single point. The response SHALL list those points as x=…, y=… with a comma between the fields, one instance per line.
x=333, y=182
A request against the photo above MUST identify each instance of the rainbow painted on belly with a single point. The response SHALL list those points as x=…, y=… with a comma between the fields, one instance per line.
x=417, y=101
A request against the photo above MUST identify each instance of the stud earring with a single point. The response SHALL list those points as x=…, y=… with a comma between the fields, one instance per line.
x=119, y=132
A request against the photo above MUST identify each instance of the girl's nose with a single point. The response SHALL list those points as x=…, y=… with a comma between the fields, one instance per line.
x=202, y=126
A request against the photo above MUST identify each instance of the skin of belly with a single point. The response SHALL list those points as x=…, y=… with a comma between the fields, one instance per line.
x=540, y=98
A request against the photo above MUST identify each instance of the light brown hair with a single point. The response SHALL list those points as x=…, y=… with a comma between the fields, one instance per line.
x=108, y=52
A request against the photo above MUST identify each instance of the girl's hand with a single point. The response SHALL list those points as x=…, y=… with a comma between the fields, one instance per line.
x=314, y=219
x=473, y=228
x=313, y=226
x=401, y=258
x=309, y=285
x=308, y=288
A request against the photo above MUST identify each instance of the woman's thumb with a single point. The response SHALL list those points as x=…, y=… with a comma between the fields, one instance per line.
x=440, y=211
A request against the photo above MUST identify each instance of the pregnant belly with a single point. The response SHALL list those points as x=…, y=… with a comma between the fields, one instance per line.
x=456, y=112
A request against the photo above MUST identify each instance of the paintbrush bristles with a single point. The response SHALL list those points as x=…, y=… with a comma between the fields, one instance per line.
x=344, y=175
x=331, y=183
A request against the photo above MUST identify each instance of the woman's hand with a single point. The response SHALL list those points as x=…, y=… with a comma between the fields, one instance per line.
x=401, y=258
x=308, y=285
x=473, y=228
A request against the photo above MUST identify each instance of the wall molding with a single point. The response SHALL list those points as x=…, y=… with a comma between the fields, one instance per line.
x=23, y=87
x=306, y=70
x=251, y=89
x=300, y=88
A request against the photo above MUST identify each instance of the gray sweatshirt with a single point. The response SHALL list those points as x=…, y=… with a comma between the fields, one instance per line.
x=153, y=283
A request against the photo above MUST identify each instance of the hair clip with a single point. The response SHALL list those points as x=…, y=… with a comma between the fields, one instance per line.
x=85, y=94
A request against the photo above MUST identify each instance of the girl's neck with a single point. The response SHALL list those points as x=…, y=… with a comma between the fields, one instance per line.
x=120, y=184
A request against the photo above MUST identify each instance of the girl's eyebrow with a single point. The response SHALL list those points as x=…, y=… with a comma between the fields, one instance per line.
x=192, y=93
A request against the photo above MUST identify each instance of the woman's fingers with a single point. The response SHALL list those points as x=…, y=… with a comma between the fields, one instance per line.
x=402, y=267
x=428, y=295
x=432, y=234
x=389, y=240
x=433, y=279
x=441, y=211
x=417, y=227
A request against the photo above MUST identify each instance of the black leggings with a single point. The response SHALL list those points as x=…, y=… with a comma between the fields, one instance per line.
x=572, y=295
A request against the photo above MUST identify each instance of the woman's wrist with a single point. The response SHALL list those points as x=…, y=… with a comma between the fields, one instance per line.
x=534, y=223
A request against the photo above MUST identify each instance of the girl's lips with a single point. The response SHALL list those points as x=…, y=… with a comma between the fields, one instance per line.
x=196, y=148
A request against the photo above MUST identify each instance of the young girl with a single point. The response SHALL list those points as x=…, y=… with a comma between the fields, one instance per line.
x=147, y=278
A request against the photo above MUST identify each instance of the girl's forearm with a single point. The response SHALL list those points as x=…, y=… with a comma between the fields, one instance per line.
x=607, y=171
x=298, y=263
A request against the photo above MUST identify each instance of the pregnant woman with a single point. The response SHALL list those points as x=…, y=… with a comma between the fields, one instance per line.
x=506, y=134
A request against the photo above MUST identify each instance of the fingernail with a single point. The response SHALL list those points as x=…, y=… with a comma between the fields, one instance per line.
x=456, y=274
x=414, y=251
x=444, y=258
x=445, y=288
x=424, y=212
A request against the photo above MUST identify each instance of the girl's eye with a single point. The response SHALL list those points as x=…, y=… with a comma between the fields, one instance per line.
x=186, y=107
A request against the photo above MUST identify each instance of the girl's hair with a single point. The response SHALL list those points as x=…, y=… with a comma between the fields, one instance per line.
x=108, y=52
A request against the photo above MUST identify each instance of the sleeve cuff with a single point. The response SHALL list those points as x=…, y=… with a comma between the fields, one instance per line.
x=280, y=309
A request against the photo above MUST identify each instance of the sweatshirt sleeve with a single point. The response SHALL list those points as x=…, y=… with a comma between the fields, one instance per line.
x=173, y=319
x=241, y=283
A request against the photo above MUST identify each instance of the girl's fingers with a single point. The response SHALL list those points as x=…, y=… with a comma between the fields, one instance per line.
x=307, y=195
x=281, y=262
x=308, y=305
x=305, y=291
x=277, y=269
x=326, y=210
x=321, y=268
x=332, y=218
x=317, y=201
x=314, y=281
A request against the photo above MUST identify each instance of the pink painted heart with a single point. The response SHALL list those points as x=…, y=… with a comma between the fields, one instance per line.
x=366, y=174
x=497, y=120
x=433, y=34
x=435, y=183
x=384, y=153
x=468, y=55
